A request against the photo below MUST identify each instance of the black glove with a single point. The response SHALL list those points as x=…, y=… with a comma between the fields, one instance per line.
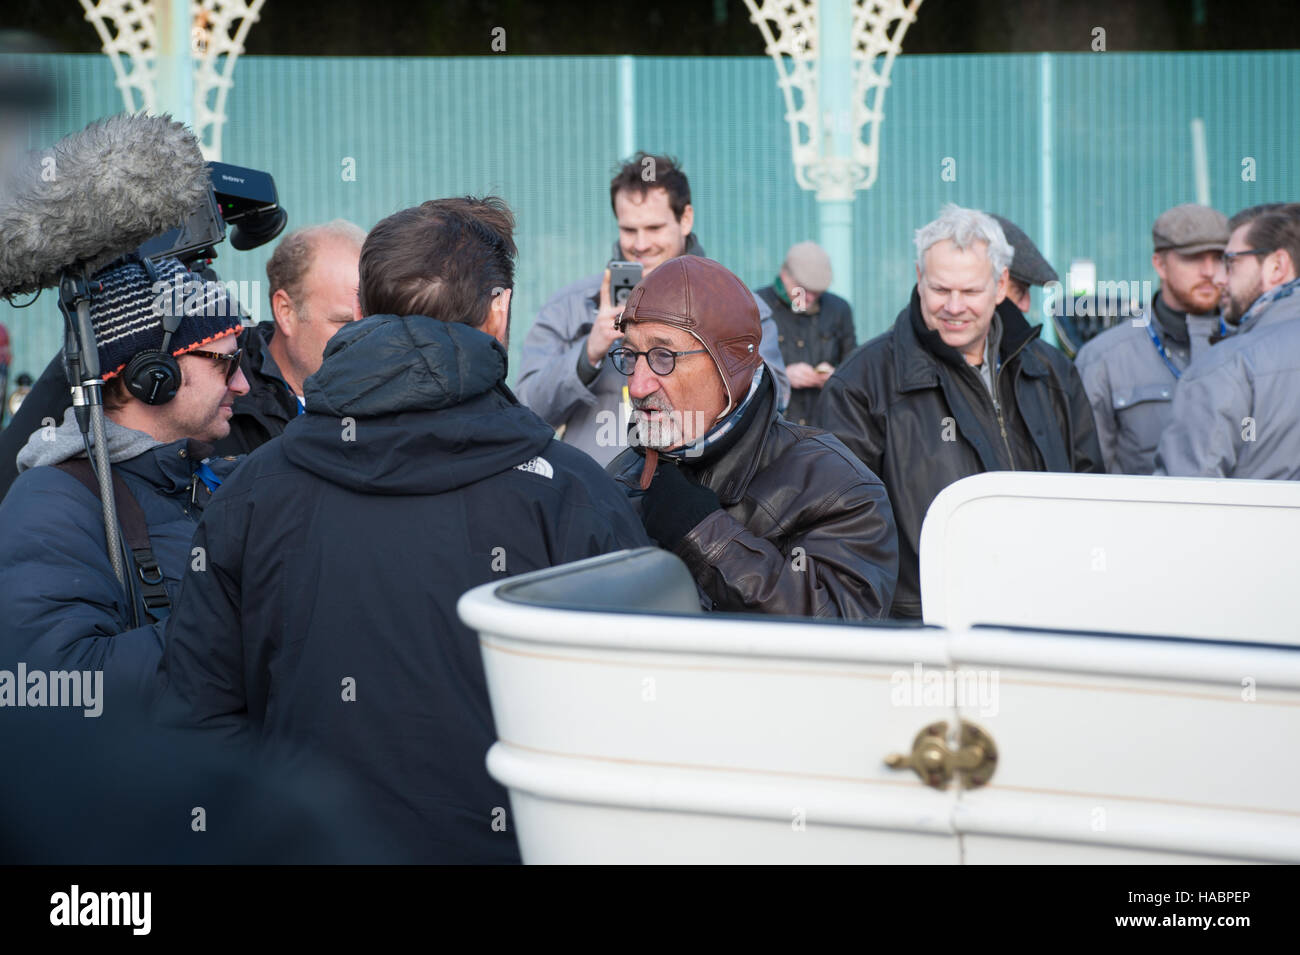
x=673, y=504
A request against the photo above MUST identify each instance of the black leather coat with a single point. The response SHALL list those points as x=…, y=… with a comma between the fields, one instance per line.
x=805, y=529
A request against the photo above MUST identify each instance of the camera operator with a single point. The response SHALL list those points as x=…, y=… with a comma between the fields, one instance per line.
x=64, y=607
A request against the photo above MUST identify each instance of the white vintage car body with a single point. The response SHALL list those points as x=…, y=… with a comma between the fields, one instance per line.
x=1128, y=647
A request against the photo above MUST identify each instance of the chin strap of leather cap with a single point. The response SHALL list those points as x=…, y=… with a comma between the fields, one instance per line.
x=648, y=472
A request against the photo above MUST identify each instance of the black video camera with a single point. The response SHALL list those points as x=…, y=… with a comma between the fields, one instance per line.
x=242, y=198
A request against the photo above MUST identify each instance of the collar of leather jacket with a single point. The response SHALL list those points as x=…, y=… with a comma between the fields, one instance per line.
x=732, y=463
x=921, y=350
x=267, y=396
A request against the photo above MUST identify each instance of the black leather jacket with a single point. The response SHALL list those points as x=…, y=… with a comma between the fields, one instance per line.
x=919, y=416
x=804, y=530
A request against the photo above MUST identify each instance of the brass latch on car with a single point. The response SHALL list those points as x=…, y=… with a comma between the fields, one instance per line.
x=936, y=763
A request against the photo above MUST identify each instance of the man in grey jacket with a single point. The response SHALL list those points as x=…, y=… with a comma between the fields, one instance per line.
x=1235, y=412
x=564, y=376
x=1130, y=370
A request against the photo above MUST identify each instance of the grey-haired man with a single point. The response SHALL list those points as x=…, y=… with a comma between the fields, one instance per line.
x=1130, y=370
x=959, y=385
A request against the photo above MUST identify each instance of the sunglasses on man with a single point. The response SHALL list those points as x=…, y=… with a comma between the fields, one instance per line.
x=231, y=359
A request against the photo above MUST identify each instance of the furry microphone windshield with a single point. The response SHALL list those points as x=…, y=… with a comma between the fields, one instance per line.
x=94, y=196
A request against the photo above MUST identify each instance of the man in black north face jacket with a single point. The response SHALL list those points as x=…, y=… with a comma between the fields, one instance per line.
x=325, y=618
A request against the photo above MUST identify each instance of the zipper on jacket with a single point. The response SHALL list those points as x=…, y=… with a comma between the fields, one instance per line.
x=997, y=410
x=997, y=405
x=1002, y=427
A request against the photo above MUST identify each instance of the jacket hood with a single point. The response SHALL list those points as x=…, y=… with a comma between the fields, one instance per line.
x=411, y=405
x=386, y=364
x=64, y=443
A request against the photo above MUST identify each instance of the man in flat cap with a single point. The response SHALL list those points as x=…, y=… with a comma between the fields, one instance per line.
x=1130, y=370
x=769, y=516
x=814, y=326
x=1235, y=412
x=1028, y=267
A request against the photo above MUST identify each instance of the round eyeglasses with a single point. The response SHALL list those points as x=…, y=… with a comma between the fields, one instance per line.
x=661, y=360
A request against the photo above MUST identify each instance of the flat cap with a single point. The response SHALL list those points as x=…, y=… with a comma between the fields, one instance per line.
x=809, y=266
x=1189, y=229
x=1028, y=265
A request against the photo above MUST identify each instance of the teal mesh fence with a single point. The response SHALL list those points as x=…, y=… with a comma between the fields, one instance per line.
x=545, y=133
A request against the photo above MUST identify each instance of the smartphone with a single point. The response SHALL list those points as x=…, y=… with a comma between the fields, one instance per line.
x=623, y=277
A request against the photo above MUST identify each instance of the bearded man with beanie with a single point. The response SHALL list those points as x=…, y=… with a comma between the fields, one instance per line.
x=64, y=608
x=769, y=516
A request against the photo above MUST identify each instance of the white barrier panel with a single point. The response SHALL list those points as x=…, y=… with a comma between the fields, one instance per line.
x=634, y=737
x=1191, y=557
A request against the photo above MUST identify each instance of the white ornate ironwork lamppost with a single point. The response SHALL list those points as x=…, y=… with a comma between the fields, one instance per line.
x=177, y=56
x=833, y=59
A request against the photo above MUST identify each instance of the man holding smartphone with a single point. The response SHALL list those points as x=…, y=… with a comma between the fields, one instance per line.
x=565, y=377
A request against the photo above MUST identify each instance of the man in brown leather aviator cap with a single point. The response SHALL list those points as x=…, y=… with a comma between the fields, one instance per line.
x=770, y=516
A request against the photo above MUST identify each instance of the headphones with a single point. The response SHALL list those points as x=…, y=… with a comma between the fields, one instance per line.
x=154, y=375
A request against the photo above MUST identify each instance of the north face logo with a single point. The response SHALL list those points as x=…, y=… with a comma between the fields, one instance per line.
x=537, y=465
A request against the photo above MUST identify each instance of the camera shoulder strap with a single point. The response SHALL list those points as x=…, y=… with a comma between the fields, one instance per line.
x=135, y=531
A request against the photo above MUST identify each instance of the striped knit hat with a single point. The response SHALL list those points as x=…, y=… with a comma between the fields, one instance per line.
x=127, y=314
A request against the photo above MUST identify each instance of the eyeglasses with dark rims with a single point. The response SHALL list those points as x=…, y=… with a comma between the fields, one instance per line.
x=1229, y=257
x=662, y=361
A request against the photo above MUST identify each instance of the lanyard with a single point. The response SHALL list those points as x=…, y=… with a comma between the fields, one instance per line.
x=208, y=477
x=1160, y=348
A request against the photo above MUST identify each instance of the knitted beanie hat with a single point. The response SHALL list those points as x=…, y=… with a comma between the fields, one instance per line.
x=127, y=312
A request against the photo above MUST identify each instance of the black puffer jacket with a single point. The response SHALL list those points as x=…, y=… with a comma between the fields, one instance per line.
x=804, y=529
x=325, y=618
x=919, y=416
